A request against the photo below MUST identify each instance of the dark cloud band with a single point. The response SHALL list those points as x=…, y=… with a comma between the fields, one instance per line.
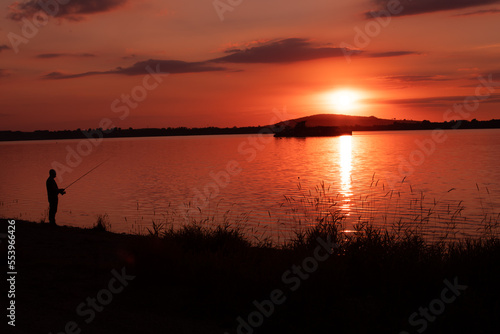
x=140, y=68
x=412, y=7
x=74, y=10
x=59, y=55
x=4, y=47
x=283, y=51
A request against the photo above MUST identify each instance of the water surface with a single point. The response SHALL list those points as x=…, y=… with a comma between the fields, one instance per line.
x=261, y=180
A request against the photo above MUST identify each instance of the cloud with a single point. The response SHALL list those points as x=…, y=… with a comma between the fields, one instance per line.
x=57, y=55
x=283, y=51
x=169, y=66
x=423, y=6
x=487, y=79
x=392, y=54
x=4, y=47
x=495, y=76
x=292, y=50
x=132, y=56
x=141, y=68
x=492, y=76
x=60, y=75
x=416, y=78
x=74, y=10
x=480, y=12
x=288, y=50
x=438, y=101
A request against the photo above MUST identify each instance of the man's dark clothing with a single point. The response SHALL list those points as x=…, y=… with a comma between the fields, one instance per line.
x=52, y=193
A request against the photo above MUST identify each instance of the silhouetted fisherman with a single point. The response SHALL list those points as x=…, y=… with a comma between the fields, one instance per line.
x=53, y=192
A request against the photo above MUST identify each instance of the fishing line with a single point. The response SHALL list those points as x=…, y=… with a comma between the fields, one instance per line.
x=86, y=174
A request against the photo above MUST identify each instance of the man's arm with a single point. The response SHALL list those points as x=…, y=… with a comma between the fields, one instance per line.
x=56, y=189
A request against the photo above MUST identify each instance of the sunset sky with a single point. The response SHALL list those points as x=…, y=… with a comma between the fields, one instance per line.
x=231, y=62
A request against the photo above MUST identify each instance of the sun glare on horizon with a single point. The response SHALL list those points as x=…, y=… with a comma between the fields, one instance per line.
x=343, y=100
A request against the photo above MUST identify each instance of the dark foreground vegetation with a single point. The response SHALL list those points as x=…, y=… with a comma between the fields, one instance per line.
x=213, y=280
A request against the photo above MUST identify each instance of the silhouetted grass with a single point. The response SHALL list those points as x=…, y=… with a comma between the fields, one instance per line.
x=203, y=278
x=202, y=238
x=102, y=223
x=372, y=282
x=376, y=276
x=209, y=271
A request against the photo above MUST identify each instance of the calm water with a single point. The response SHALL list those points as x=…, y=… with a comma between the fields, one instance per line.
x=270, y=184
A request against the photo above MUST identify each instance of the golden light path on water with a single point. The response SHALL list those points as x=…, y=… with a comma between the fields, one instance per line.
x=345, y=172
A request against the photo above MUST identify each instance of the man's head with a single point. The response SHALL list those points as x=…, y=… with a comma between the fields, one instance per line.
x=52, y=173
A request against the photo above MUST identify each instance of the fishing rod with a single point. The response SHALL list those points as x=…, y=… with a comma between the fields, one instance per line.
x=86, y=174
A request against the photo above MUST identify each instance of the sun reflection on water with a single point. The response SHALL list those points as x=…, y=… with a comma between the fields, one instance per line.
x=345, y=172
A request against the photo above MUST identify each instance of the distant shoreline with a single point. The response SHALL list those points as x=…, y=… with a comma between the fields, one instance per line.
x=183, y=131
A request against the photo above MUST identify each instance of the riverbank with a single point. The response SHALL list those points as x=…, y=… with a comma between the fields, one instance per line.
x=213, y=281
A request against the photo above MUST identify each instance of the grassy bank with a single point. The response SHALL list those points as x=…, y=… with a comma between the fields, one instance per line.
x=211, y=280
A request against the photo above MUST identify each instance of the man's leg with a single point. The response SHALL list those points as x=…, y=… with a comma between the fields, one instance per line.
x=52, y=213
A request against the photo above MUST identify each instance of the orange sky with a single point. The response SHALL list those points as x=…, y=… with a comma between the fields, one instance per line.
x=412, y=60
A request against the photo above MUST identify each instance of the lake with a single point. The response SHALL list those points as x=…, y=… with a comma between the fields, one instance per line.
x=269, y=185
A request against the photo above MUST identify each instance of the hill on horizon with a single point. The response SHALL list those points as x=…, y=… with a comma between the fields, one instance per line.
x=343, y=120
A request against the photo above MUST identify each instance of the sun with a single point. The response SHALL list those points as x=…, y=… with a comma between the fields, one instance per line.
x=344, y=99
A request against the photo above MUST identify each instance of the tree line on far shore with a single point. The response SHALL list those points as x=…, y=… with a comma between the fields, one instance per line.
x=184, y=131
